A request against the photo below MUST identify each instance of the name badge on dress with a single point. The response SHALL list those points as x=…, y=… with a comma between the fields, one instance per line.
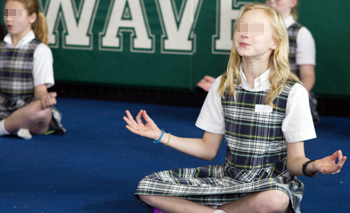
x=263, y=108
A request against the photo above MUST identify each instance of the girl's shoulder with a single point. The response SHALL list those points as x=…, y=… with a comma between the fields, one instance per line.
x=42, y=48
x=292, y=87
x=298, y=90
x=297, y=25
x=301, y=29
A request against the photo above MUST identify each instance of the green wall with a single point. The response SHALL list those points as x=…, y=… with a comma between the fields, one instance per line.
x=329, y=22
x=84, y=52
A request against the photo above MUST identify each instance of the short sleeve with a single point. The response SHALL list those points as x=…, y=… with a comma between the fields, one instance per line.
x=306, y=51
x=298, y=124
x=43, y=66
x=211, y=118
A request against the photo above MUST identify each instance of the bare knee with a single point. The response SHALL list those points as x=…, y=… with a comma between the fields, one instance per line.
x=149, y=199
x=36, y=114
x=272, y=201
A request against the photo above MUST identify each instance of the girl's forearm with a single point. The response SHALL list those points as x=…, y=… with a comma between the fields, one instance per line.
x=295, y=167
x=197, y=147
x=38, y=96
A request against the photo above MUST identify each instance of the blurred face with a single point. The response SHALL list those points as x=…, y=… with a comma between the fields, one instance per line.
x=283, y=6
x=16, y=18
x=253, y=36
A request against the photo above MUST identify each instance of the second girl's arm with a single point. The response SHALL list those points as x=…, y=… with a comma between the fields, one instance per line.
x=307, y=76
x=204, y=148
x=47, y=99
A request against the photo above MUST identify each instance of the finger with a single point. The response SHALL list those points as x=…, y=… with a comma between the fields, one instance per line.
x=54, y=101
x=200, y=83
x=340, y=155
x=131, y=119
x=202, y=80
x=335, y=156
x=138, y=117
x=209, y=78
x=146, y=117
x=53, y=94
x=324, y=170
x=130, y=123
x=52, y=98
x=48, y=101
x=342, y=161
x=135, y=131
x=333, y=169
x=42, y=101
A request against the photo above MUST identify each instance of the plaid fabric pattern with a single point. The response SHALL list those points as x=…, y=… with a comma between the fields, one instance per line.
x=261, y=159
x=292, y=35
x=255, y=139
x=16, y=79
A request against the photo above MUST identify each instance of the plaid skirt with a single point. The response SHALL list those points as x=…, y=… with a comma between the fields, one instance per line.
x=8, y=106
x=217, y=185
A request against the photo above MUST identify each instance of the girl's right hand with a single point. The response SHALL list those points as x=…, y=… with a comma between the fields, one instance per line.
x=149, y=130
x=48, y=100
x=206, y=83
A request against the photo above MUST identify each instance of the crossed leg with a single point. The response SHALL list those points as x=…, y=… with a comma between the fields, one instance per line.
x=32, y=117
x=267, y=201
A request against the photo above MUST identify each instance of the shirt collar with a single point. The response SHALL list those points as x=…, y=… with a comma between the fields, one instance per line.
x=261, y=83
x=289, y=21
x=25, y=40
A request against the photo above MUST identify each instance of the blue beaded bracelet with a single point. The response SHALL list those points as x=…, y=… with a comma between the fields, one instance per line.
x=159, y=137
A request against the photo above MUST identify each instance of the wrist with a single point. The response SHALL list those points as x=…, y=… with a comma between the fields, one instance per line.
x=157, y=140
x=309, y=169
x=157, y=135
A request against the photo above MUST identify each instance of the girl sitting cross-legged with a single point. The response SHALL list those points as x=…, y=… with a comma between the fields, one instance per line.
x=263, y=111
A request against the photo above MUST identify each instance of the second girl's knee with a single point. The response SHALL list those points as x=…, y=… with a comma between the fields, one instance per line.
x=276, y=201
x=37, y=114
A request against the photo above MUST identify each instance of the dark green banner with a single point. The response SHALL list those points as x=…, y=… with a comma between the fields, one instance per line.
x=174, y=43
x=156, y=43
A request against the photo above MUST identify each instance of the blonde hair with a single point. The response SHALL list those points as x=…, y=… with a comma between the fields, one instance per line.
x=278, y=62
x=294, y=13
x=39, y=26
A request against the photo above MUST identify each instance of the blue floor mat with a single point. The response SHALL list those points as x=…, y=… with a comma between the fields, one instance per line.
x=97, y=165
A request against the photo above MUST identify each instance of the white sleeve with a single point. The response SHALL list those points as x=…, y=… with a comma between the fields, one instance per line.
x=298, y=125
x=43, y=66
x=211, y=117
x=306, y=51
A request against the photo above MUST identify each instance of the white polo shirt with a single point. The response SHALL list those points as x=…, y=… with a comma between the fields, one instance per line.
x=297, y=125
x=306, y=51
x=43, y=60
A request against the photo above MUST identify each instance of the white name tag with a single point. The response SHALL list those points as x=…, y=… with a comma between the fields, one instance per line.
x=263, y=108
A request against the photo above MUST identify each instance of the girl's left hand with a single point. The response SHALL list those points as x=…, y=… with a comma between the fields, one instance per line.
x=48, y=100
x=327, y=165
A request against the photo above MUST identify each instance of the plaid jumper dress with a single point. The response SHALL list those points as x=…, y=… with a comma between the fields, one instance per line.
x=256, y=158
x=16, y=77
x=292, y=34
